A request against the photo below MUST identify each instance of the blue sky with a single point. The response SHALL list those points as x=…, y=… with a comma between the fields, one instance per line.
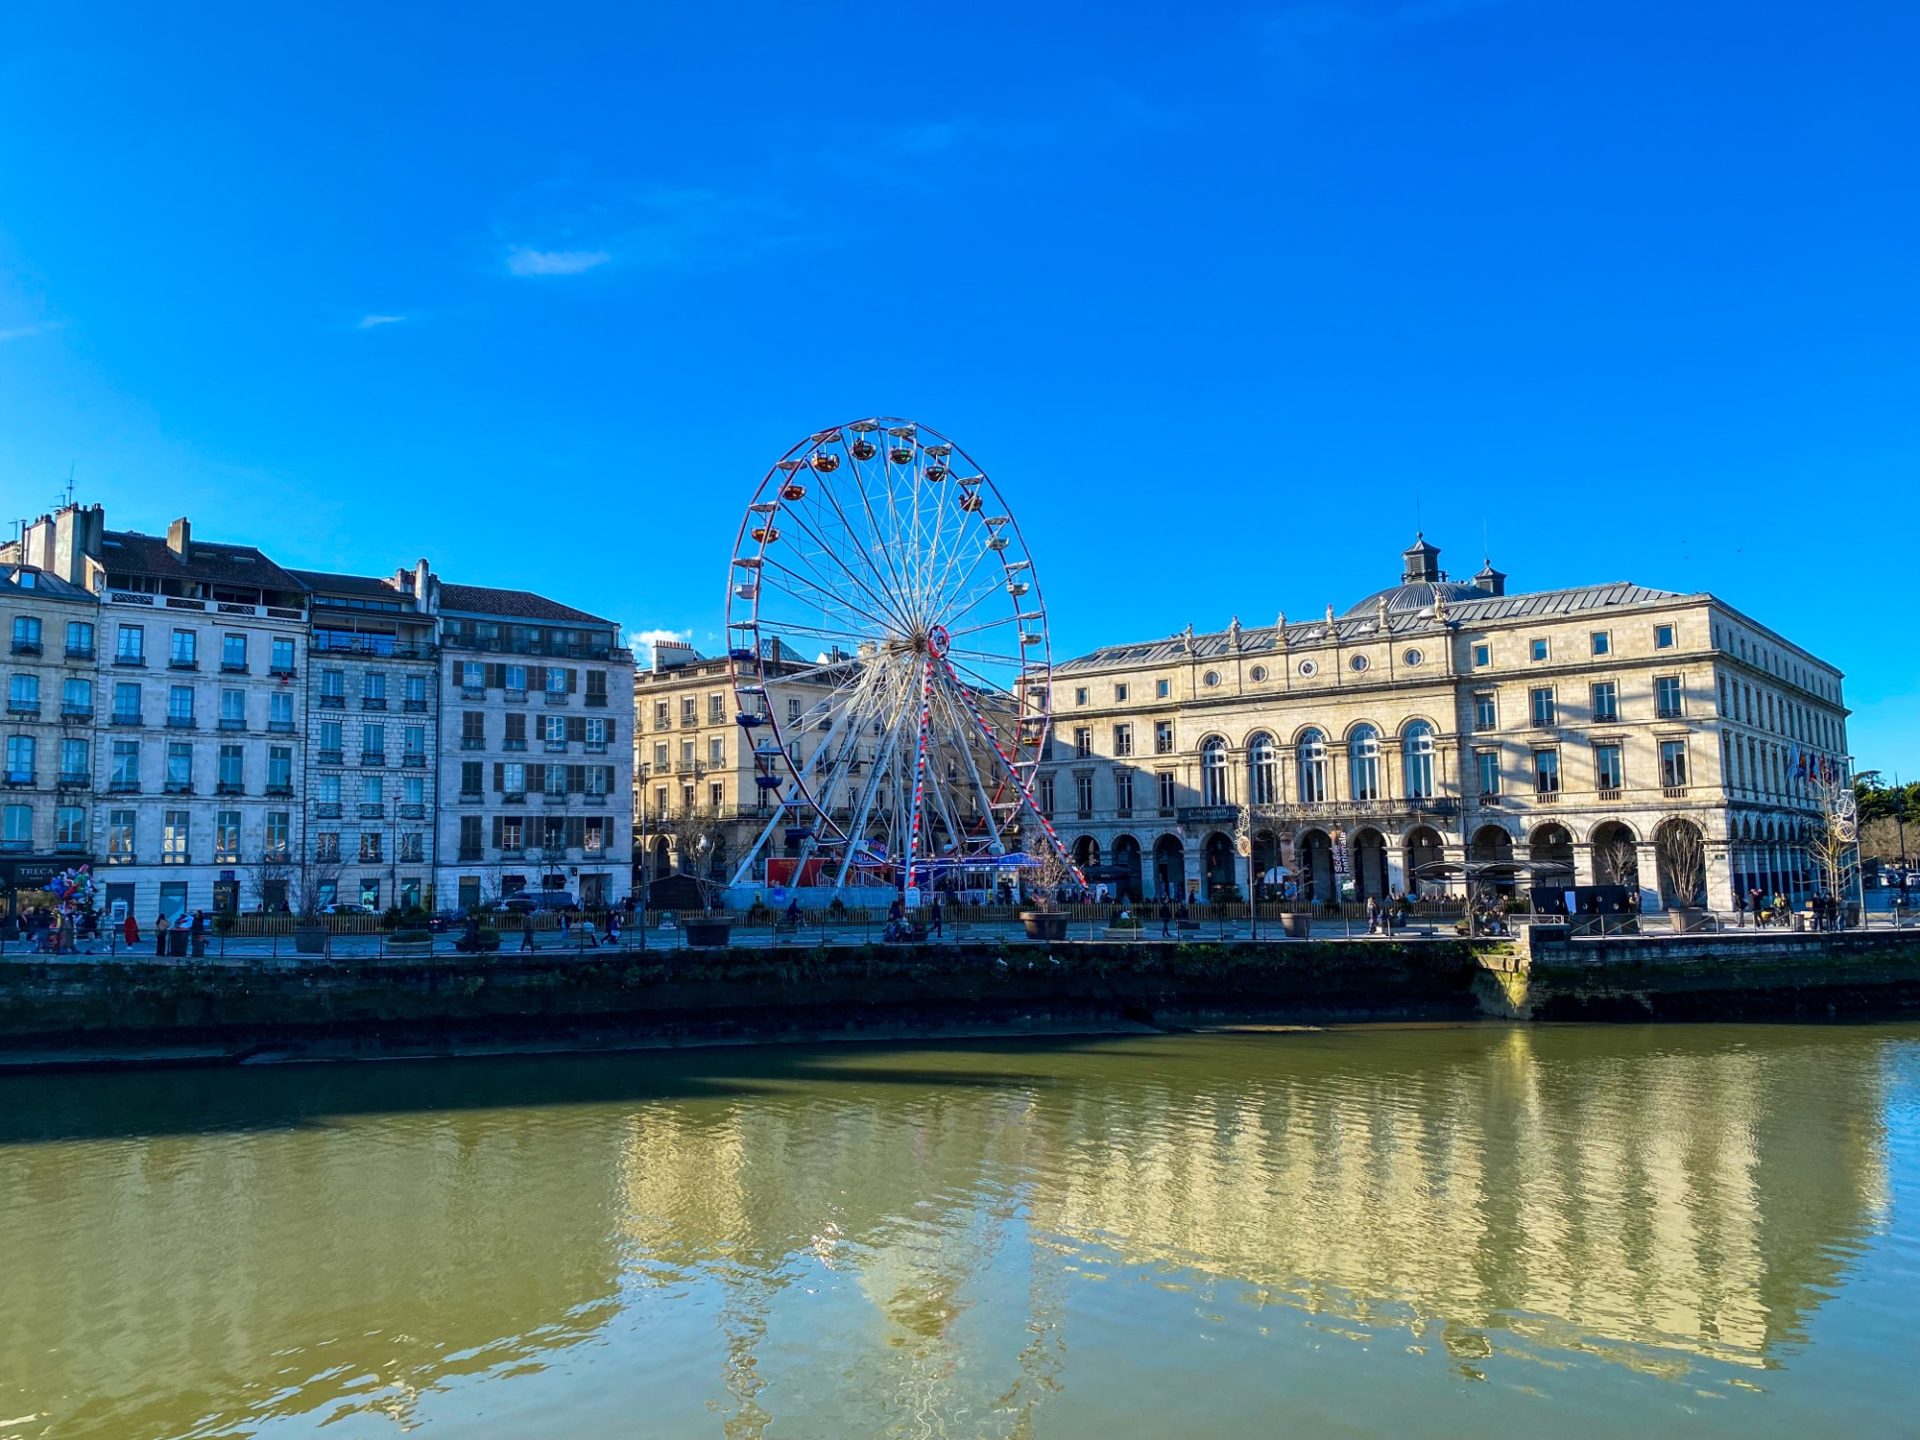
x=1222, y=295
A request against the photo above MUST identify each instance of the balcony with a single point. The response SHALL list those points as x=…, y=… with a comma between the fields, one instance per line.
x=232, y=724
x=372, y=758
x=473, y=742
x=372, y=812
x=181, y=722
x=120, y=785
x=282, y=789
x=1673, y=792
x=280, y=727
x=414, y=707
x=1668, y=712
x=327, y=810
x=19, y=779
x=80, y=652
x=471, y=797
x=373, y=702
x=26, y=647
x=74, y=780
x=469, y=856
x=596, y=747
x=128, y=717
x=414, y=759
x=235, y=667
x=16, y=847
x=27, y=709
x=131, y=662
x=514, y=797
x=554, y=797
x=473, y=692
x=332, y=702
x=601, y=800
x=229, y=787
x=178, y=787
x=413, y=812
x=76, y=712
x=511, y=852
x=597, y=701
x=282, y=672
x=330, y=757
x=514, y=697
x=178, y=664
x=499, y=645
x=556, y=697
x=69, y=847
x=556, y=747
x=510, y=744
x=1546, y=797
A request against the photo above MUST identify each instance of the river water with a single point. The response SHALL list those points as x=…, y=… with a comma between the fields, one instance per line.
x=1375, y=1231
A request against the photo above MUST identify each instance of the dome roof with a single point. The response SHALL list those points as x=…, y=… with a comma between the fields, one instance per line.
x=1414, y=595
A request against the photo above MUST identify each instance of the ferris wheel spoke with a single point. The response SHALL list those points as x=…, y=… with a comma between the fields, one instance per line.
x=862, y=542
x=960, y=591
x=828, y=553
x=824, y=600
x=1004, y=620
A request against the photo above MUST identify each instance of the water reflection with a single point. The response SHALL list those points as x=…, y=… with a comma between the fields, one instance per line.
x=943, y=1241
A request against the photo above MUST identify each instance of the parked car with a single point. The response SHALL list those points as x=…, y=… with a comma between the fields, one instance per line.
x=528, y=901
x=348, y=907
x=442, y=921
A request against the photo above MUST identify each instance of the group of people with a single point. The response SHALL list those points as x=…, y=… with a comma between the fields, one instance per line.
x=1824, y=912
x=54, y=931
x=576, y=930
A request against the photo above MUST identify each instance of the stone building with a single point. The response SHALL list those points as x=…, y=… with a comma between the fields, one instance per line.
x=46, y=788
x=536, y=780
x=371, y=707
x=1586, y=735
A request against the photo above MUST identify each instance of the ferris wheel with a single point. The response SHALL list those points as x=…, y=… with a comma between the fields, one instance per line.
x=890, y=662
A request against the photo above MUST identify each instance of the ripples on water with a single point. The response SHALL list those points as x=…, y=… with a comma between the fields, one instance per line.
x=1375, y=1231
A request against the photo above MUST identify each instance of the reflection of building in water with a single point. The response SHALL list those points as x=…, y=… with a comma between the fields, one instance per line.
x=210, y=1281
x=1612, y=1190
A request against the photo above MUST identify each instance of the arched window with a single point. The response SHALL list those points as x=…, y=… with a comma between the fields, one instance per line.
x=1213, y=772
x=1363, y=761
x=1263, y=770
x=1313, y=768
x=1417, y=742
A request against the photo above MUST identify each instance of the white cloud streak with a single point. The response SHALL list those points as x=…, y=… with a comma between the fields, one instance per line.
x=643, y=642
x=26, y=332
x=374, y=322
x=524, y=260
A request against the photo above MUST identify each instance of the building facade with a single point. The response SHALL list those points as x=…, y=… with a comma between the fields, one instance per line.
x=46, y=788
x=1607, y=734
x=536, y=778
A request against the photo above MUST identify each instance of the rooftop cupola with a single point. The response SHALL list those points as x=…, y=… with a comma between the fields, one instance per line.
x=1422, y=561
x=1493, y=581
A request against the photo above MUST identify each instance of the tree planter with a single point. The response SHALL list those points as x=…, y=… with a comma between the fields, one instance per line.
x=311, y=939
x=1685, y=918
x=1296, y=926
x=708, y=934
x=1045, y=924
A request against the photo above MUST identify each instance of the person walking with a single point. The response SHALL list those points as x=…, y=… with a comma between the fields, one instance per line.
x=586, y=932
x=1166, y=920
x=198, y=934
x=130, y=929
x=1373, y=916
x=939, y=918
x=160, y=927
x=613, y=926
x=526, y=931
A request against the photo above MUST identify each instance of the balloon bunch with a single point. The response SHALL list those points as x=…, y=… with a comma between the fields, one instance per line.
x=73, y=887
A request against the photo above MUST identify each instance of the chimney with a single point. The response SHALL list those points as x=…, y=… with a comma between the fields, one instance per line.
x=423, y=586
x=180, y=538
x=63, y=543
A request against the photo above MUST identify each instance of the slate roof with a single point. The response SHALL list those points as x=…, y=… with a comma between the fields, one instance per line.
x=371, y=586
x=512, y=604
x=130, y=552
x=1350, y=629
x=44, y=583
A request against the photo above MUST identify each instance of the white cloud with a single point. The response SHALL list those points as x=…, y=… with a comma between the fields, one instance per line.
x=370, y=322
x=643, y=642
x=24, y=332
x=524, y=260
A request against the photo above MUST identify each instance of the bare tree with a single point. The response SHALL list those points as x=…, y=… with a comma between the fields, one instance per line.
x=268, y=878
x=1833, y=839
x=314, y=880
x=1618, y=856
x=1681, y=850
x=701, y=849
x=1049, y=869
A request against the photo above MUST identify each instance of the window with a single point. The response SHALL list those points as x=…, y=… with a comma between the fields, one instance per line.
x=174, y=836
x=282, y=656
x=1666, y=696
x=1045, y=796
x=1663, y=637
x=75, y=763
x=23, y=693
x=471, y=783
x=1673, y=764
x=1416, y=754
x=275, y=836
x=18, y=831
x=1083, y=795
x=180, y=706
x=1540, y=699
x=77, y=698
x=1123, y=740
x=1482, y=656
x=1606, y=701
x=1263, y=770
x=20, y=759
x=1123, y=791
x=1120, y=694
x=179, y=767
x=1162, y=689
x=226, y=836
x=716, y=796
x=1213, y=772
x=279, y=769
x=557, y=680
x=686, y=754
x=1163, y=737
x=1313, y=768
x=185, y=650
x=1537, y=649
x=1363, y=762
x=373, y=792
x=1210, y=679
x=1487, y=766
x=233, y=710
x=473, y=730
x=70, y=828
x=327, y=792
x=233, y=656
x=230, y=773
x=660, y=762
x=1168, y=790
x=554, y=732
x=1080, y=695
x=1486, y=715
x=1258, y=672
x=125, y=774
x=661, y=714
x=279, y=711
x=513, y=778
x=373, y=690
x=596, y=733
x=716, y=709
x=1606, y=767
x=688, y=713
x=416, y=693
x=373, y=744
x=119, y=837
x=1357, y=663
x=1546, y=772
x=370, y=848
x=79, y=640
x=515, y=679
x=1601, y=642
x=26, y=634
x=130, y=645
x=333, y=687
x=1083, y=742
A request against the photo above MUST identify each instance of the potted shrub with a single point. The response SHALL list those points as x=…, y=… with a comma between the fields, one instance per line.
x=710, y=931
x=1042, y=921
x=313, y=880
x=1681, y=849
